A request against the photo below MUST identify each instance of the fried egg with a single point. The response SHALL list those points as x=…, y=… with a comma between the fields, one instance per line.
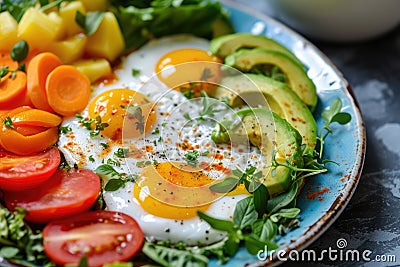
x=144, y=125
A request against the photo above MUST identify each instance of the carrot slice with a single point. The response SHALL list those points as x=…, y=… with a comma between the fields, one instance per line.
x=68, y=90
x=7, y=61
x=38, y=69
x=12, y=88
x=19, y=144
x=36, y=117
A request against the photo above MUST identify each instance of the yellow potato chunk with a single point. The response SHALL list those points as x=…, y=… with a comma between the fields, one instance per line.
x=94, y=69
x=98, y=5
x=69, y=50
x=68, y=13
x=61, y=31
x=8, y=31
x=107, y=42
x=37, y=28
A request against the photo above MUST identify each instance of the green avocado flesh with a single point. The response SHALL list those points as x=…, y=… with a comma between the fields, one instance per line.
x=227, y=44
x=247, y=60
x=267, y=131
x=256, y=90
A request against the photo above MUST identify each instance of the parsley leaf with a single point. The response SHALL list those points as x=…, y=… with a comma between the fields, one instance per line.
x=8, y=123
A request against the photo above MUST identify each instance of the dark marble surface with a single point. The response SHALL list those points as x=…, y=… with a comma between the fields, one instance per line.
x=371, y=221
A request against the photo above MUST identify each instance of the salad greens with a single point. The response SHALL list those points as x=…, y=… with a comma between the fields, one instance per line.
x=141, y=21
x=19, y=242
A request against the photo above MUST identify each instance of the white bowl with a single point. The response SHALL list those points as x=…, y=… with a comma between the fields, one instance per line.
x=338, y=20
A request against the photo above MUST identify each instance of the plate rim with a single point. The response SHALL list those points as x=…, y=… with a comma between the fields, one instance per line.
x=342, y=200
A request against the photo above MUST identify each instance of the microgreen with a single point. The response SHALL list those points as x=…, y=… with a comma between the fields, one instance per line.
x=331, y=115
x=115, y=180
x=8, y=123
x=121, y=152
x=87, y=123
x=65, y=129
x=192, y=157
x=209, y=107
x=135, y=72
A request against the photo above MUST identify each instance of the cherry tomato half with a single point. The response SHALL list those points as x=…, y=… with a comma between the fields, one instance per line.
x=25, y=172
x=101, y=236
x=65, y=194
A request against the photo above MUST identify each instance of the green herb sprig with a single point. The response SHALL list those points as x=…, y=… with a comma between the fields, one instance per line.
x=115, y=180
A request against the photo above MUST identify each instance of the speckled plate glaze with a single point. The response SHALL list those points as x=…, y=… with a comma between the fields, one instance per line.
x=323, y=197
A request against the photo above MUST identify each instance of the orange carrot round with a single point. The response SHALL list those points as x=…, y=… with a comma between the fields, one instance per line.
x=12, y=88
x=68, y=90
x=38, y=69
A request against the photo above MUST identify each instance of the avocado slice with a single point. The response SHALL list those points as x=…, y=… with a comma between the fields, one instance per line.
x=221, y=26
x=246, y=60
x=270, y=133
x=227, y=44
x=258, y=90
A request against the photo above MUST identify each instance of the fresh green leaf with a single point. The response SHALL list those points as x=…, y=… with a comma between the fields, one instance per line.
x=91, y=22
x=141, y=21
x=173, y=257
x=231, y=245
x=261, y=197
x=4, y=71
x=65, y=129
x=9, y=252
x=106, y=169
x=282, y=200
x=121, y=152
x=135, y=72
x=218, y=224
x=114, y=184
x=245, y=213
x=225, y=186
x=19, y=51
x=254, y=245
x=285, y=213
x=341, y=117
x=264, y=229
x=8, y=123
x=18, y=241
x=334, y=108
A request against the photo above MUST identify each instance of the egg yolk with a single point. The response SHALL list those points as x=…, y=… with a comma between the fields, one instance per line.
x=189, y=71
x=128, y=113
x=175, y=190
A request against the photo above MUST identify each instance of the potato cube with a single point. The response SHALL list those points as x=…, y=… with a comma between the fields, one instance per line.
x=68, y=13
x=98, y=5
x=69, y=50
x=61, y=31
x=107, y=42
x=94, y=69
x=8, y=31
x=37, y=28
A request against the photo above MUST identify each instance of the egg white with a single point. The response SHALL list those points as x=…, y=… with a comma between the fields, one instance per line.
x=86, y=152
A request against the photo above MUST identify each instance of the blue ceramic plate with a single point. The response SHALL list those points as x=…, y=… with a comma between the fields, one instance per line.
x=323, y=197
